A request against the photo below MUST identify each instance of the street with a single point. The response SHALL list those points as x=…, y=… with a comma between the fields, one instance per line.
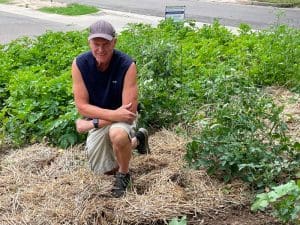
x=229, y=14
x=13, y=26
x=20, y=21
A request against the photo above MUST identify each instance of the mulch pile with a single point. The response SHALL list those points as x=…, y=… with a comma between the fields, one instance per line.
x=45, y=185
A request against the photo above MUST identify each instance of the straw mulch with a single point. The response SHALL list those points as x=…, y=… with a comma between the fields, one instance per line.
x=291, y=111
x=44, y=185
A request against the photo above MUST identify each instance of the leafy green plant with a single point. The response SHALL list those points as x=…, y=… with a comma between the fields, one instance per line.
x=36, y=93
x=4, y=1
x=196, y=54
x=176, y=221
x=284, y=200
x=177, y=67
x=242, y=134
x=73, y=9
x=40, y=107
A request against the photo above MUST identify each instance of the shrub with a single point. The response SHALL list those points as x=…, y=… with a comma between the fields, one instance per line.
x=176, y=61
x=243, y=135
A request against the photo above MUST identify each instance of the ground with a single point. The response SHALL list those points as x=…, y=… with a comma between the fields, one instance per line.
x=46, y=185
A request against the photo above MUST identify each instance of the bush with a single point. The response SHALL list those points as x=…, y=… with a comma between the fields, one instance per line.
x=36, y=90
x=242, y=135
x=174, y=61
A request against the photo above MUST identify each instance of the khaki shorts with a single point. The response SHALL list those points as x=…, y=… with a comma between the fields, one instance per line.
x=99, y=149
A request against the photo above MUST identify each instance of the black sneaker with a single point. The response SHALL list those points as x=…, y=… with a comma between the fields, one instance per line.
x=121, y=183
x=143, y=146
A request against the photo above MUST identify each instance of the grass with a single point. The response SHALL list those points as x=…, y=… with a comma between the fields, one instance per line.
x=4, y=1
x=292, y=2
x=70, y=10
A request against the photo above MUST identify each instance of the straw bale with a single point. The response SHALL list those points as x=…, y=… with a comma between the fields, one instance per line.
x=44, y=185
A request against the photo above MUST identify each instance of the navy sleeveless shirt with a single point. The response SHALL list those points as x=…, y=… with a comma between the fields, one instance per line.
x=104, y=88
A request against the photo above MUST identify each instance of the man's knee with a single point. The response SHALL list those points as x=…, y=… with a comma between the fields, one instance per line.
x=119, y=137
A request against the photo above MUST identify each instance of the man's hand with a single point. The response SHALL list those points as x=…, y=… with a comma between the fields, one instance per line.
x=123, y=114
x=83, y=126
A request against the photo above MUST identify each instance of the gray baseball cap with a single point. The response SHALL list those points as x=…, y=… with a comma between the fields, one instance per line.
x=102, y=29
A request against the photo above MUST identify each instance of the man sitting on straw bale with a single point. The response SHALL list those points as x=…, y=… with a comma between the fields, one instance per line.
x=105, y=90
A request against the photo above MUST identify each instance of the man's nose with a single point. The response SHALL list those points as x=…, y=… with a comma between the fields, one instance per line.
x=100, y=47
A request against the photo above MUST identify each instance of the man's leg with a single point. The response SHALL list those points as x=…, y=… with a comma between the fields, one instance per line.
x=122, y=146
x=99, y=151
x=123, y=141
x=109, y=149
x=142, y=141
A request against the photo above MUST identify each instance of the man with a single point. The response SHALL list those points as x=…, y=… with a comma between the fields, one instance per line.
x=105, y=90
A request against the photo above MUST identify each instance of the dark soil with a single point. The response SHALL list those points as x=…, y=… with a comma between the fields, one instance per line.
x=238, y=216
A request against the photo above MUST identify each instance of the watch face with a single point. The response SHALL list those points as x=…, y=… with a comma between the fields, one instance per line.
x=96, y=123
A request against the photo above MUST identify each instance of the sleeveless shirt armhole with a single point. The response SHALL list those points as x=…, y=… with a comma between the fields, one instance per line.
x=80, y=62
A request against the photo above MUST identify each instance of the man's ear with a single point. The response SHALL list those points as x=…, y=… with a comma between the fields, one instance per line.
x=115, y=41
x=89, y=43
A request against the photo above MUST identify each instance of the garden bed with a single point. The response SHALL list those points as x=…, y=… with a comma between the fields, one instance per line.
x=46, y=185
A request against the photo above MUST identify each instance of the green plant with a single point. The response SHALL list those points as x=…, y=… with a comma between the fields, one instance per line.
x=176, y=221
x=273, y=60
x=36, y=90
x=287, y=3
x=41, y=107
x=242, y=134
x=4, y=1
x=73, y=9
x=177, y=67
x=284, y=199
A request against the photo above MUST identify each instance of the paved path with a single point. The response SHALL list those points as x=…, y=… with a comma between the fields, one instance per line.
x=205, y=11
x=13, y=26
x=19, y=21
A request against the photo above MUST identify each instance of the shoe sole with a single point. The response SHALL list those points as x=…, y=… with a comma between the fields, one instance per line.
x=145, y=132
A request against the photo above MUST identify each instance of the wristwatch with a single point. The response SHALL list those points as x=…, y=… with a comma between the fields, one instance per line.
x=96, y=122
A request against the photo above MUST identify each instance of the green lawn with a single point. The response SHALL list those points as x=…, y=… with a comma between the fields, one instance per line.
x=294, y=2
x=4, y=1
x=70, y=10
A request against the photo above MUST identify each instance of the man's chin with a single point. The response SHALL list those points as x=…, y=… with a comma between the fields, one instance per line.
x=102, y=60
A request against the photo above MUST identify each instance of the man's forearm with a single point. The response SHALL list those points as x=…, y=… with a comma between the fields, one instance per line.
x=121, y=114
x=83, y=125
x=91, y=111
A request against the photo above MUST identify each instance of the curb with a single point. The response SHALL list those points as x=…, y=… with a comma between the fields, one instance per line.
x=279, y=5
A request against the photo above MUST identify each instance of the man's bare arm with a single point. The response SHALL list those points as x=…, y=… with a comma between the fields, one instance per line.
x=130, y=88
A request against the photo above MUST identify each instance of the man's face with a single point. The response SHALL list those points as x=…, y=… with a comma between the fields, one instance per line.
x=102, y=49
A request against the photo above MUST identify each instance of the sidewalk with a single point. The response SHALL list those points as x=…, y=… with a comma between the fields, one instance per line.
x=66, y=23
x=118, y=19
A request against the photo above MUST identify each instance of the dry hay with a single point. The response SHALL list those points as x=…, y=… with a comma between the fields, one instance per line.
x=44, y=185
x=291, y=111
